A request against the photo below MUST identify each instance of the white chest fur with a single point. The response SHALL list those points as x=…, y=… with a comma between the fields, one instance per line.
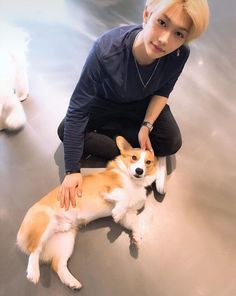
x=131, y=196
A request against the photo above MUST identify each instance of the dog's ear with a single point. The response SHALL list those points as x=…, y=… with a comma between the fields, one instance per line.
x=122, y=144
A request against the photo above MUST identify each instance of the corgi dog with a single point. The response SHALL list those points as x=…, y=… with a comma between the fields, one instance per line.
x=48, y=231
x=14, y=87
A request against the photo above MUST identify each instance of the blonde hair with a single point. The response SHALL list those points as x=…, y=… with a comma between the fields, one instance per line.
x=197, y=10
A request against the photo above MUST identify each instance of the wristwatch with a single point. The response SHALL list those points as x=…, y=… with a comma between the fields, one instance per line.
x=72, y=172
x=148, y=125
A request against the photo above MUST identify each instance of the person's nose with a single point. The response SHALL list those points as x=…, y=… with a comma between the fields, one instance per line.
x=164, y=37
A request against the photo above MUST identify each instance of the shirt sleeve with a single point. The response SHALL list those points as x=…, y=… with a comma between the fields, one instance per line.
x=168, y=87
x=177, y=64
x=78, y=111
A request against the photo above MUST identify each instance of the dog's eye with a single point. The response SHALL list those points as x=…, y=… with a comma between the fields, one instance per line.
x=134, y=157
x=148, y=162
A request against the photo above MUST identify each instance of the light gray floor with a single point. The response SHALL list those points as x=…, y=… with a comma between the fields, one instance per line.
x=189, y=245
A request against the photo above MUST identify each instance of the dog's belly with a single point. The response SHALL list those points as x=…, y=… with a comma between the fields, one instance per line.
x=137, y=199
x=86, y=217
x=65, y=220
x=92, y=208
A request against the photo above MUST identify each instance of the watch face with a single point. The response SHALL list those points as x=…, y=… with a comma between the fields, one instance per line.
x=148, y=125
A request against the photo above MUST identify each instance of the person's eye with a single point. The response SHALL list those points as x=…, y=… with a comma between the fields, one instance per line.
x=161, y=23
x=179, y=35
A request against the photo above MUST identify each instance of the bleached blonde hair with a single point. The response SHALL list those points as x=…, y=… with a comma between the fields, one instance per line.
x=197, y=10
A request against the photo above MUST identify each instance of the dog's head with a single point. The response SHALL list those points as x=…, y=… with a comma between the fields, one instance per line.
x=139, y=164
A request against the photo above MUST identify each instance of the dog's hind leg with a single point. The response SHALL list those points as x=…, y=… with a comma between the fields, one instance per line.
x=33, y=272
x=33, y=235
x=62, y=245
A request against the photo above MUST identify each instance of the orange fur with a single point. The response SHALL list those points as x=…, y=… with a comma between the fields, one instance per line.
x=102, y=182
x=48, y=229
x=94, y=187
x=50, y=199
x=31, y=230
x=54, y=264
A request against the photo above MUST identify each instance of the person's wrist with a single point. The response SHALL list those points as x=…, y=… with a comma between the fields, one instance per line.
x=148, y=125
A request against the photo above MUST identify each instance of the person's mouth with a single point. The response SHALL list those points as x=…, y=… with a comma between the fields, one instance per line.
x=158, y=48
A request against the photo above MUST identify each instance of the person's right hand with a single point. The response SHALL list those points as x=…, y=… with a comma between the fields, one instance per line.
x=71, y=188
x=144, y=140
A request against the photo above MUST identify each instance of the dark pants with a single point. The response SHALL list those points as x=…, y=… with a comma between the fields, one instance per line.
x=112, y=119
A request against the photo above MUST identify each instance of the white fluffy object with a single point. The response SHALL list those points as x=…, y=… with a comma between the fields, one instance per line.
x=14, y=87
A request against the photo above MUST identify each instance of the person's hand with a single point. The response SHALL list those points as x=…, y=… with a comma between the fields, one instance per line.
x=144, y=140
x=70, y=188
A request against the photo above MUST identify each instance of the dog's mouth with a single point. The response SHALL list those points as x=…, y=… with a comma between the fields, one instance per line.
x=137, y=176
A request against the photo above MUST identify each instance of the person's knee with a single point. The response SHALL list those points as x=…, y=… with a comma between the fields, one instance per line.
x=175, y=144
x=167, y=146
x=60, y=130
x=100, y=145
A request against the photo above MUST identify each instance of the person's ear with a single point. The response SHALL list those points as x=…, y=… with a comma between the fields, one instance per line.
x=146, y=15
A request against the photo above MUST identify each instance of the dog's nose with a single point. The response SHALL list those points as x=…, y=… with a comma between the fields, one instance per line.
x=139, y=171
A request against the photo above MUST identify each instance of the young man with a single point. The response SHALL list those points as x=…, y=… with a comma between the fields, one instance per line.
x=124, y=89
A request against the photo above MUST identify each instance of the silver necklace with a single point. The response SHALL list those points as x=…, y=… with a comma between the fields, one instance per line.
x=139, y=74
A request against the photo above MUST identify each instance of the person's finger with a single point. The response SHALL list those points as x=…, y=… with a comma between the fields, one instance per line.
x=150, y=149
x=145, y=145
x=79, y=192
x=142, y=144
x=62, y=198
x=149, y=145
x=59, y=193
x=72, y=197
x=67, y=199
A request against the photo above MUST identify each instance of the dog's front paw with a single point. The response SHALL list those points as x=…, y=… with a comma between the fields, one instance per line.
x=33, y=275
x=117, y=215
x=108, y=197
x=136, y=239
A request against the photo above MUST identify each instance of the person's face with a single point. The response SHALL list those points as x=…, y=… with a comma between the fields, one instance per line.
x=165, y=31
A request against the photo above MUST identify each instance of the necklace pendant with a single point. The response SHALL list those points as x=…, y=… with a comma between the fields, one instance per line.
x=150, y=77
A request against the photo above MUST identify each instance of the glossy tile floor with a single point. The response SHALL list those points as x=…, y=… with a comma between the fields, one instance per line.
x=189, y=245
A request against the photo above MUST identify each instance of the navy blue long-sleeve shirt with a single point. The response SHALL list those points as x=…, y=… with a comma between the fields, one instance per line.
x=110, y=73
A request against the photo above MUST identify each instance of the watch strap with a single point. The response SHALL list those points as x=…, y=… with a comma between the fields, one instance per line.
x=148, y=125
x=72, y=172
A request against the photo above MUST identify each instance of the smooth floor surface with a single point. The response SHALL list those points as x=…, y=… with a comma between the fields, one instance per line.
x=189, y=244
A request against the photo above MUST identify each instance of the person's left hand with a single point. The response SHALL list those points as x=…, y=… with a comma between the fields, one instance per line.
x=144, y=140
